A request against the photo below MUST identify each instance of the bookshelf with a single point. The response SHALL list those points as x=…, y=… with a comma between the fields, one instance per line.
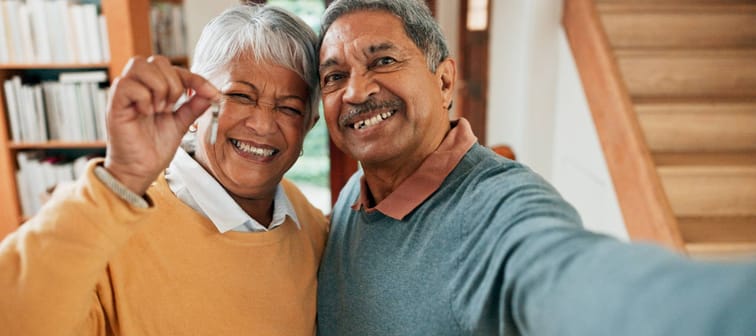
x=129, y=34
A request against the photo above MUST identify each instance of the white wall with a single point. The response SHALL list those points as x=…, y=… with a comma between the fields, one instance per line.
x=198, y=13
x=579, y=167
x=523, y=65
x=447, y=14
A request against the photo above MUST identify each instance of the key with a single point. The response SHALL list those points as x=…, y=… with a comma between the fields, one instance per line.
x=214, y=123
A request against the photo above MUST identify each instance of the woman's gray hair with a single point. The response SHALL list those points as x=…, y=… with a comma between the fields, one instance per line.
x=273, y=35
x=418, y=22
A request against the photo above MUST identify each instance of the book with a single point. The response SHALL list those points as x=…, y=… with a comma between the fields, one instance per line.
x=56, y=28
x=83, y=76
x=100, y=97
x=16, y=51
x=11, y=100
x=27, y=40
x=4, y=43
x=92, y=33
x=24, y=184
x=80, y=31
x=104, y=42
x=63, y=9
x=40, y=120
x=39, y=30
x=52, y=106
x=85, y=112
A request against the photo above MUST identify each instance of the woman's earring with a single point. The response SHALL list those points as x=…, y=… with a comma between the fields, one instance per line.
x=193, y=128
x=301, y=152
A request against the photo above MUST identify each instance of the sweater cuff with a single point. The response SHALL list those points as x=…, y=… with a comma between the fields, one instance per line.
x=119, y=189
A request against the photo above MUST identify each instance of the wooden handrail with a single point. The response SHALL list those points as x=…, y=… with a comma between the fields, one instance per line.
x=644, y=204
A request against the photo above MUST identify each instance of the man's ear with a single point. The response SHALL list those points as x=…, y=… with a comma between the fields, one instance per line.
x=446, y=72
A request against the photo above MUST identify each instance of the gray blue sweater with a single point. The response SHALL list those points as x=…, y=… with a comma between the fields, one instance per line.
x=496, y=251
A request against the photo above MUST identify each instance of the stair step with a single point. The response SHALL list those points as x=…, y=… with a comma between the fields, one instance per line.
x=679, y=25
x=722, y=251
x=695, y=191
x=696, y=74
x=698, y=126
x=711, y=159
x=734, y=229
x=676, y=2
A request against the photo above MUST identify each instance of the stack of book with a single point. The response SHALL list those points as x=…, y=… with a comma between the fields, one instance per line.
x=38, y=173
x=168, y=31
x=52, y=31
x=70, y=109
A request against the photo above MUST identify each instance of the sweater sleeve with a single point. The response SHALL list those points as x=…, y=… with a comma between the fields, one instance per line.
x=570, y=282
x=548, y=276
x=51, y=264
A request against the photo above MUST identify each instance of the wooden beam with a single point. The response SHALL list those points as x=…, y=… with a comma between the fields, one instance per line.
x=10, y=216
x=128, y=31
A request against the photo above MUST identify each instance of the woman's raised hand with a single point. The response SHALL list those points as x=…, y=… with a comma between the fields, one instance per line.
x=144, y=131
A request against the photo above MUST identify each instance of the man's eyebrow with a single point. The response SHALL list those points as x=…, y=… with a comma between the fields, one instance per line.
x=328, y=63
x=380, y=47
x=372, y=49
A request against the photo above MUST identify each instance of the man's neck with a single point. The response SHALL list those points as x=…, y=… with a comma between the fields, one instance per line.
x=384, y=177
x=382, y=181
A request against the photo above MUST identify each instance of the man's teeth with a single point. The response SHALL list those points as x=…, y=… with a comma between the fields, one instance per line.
x=245, y=147
x=374, y=120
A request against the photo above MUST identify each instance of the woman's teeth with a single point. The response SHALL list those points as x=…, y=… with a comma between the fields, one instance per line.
x=247, y=148
x=373, y=121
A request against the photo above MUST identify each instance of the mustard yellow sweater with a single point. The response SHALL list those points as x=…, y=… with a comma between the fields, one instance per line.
x=90, y=264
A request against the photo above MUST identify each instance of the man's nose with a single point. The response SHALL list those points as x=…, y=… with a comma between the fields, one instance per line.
x=359, y=88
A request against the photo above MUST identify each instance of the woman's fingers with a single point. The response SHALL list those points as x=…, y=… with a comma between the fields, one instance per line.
x=151, y=86
x=188, y=112
x=201, y=86
x=163, y=80
x=167, y=98
x=126, y=93
x=205, y=93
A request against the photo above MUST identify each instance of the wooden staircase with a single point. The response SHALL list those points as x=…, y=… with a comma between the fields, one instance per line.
x=689, y=68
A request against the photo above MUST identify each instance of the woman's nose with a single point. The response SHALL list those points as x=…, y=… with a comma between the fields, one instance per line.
x=262, y=119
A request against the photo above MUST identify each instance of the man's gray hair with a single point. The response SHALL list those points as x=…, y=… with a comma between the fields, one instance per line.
x=273, y=35
x=418, y=22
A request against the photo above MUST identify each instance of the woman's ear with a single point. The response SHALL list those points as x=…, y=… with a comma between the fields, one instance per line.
x=446, y=72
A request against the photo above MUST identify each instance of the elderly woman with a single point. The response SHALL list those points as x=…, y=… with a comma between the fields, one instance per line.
x=219, y=244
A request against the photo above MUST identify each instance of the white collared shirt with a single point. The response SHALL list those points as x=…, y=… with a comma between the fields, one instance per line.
x=205, y=195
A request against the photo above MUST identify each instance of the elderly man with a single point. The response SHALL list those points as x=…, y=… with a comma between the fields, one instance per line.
x=439, y=236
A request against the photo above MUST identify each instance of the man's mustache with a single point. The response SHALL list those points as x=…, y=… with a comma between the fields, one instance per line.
x=371, y=105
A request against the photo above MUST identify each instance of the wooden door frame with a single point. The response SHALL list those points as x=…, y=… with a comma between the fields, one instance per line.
x=473, y=68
